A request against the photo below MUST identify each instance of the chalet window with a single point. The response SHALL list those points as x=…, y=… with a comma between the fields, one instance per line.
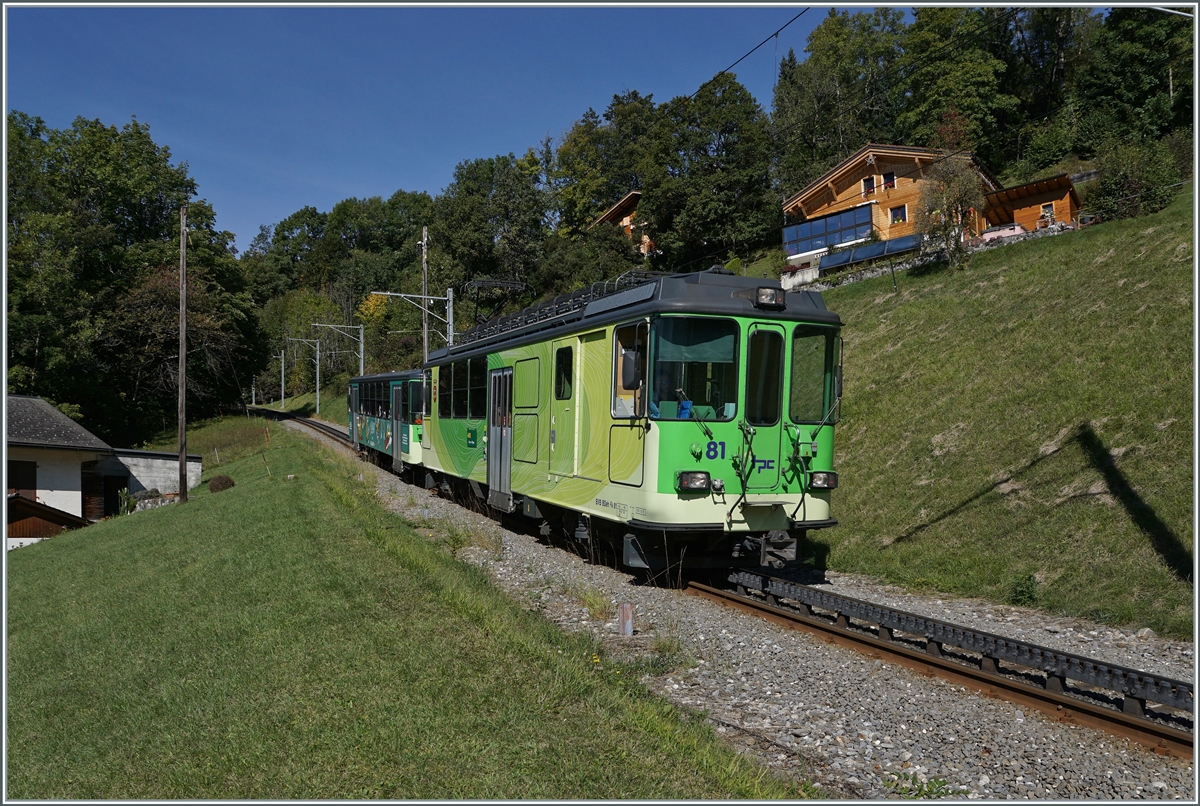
x=900, y=214
x=22, y=479
x=836, y=228
x=889, y=181
x=1048, y=210
x=868, y=185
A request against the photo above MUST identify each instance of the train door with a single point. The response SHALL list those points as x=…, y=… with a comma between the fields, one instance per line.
x=399, y=444
x=563, y=410
x=426, y=400
x=354, y=435
x=764, y=405
x=499, y=439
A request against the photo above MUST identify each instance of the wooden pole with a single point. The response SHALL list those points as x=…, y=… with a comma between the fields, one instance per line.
x=183, y=486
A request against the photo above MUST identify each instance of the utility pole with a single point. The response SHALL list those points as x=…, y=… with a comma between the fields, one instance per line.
x=183, y=487
x=317, y=345
x=343, y=329
x=425, y=289
x=282, y=396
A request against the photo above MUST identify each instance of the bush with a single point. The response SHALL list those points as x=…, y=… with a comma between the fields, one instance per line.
x=218, y=483
x=1135, y=180
x=143, y=495
x=1022, y=591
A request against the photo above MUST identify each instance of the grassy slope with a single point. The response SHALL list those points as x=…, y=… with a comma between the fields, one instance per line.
x=290, y=639
x=1025, y=426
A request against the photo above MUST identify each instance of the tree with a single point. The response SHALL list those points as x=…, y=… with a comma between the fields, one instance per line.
x=602, y=158
x=844, y=94
x=950, y=69
x=707, y=189
x=950, y=197
x=93, y=227
x=1139, y=79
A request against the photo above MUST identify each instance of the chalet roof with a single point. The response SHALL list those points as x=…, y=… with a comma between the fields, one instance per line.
x=20, y=507
x=35, y=423
x=1009, y=198
x=851, y=163
x=624, y=207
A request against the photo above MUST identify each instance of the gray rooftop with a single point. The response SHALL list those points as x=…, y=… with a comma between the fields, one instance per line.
x=32, y=421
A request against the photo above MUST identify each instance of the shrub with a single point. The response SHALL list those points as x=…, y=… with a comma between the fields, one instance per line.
x=1135, y=179
x=143, y=495
x=1022, y=591
x=218, y=483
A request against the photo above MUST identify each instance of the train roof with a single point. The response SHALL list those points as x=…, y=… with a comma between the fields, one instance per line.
x=398, y=375
x=636, y=294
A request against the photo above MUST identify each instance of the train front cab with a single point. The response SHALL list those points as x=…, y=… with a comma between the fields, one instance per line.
x=738, y=449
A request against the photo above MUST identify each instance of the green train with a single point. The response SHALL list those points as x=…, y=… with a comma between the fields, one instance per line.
x=685, y=420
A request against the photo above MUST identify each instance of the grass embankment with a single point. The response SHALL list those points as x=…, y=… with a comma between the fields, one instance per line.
x=291, y=639
x=1022, y=430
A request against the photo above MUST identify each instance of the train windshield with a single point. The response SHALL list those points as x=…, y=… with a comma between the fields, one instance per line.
x=816, y=360
x=695, y=369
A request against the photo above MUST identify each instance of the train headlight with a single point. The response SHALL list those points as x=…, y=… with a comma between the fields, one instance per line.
x=823, y=480
x=691, y=481
x=770, y=297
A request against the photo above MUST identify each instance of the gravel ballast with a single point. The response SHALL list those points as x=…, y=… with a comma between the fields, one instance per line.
x=858, y=727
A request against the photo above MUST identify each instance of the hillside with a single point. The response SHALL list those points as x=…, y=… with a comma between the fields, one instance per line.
x=1022, y=430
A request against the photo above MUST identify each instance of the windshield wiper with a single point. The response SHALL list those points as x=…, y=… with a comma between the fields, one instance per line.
x=679, y=393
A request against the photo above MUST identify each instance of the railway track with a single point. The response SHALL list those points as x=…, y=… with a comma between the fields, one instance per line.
x=325, y=429
x=1149, y=709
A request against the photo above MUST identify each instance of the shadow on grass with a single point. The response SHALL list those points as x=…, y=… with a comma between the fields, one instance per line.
x=1164, y=541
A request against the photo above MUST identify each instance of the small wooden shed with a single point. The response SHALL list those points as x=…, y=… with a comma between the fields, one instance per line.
x=1034, y=205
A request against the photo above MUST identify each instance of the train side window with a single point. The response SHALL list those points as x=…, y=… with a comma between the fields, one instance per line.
x=764, y=376
x=563, y=362
x=445, y=393
x=385, y=400
x=629, y=369
x=461, y=390
x=478, y=387
x=405, y=409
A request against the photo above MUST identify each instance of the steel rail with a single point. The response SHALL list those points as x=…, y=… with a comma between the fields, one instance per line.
x=986, y=678
x=327, y=430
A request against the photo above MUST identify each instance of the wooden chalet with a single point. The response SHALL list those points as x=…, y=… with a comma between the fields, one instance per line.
x=623, y=214
x=876, y=189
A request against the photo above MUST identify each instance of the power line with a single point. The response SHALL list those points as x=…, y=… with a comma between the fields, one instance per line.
x=803, y=11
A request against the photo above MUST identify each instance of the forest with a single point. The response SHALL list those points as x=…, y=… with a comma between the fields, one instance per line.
x=93, y=210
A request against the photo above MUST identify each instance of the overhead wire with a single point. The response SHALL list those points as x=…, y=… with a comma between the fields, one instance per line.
x=803, y=11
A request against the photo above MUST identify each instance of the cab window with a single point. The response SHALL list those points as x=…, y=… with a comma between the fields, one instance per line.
x=695, y=369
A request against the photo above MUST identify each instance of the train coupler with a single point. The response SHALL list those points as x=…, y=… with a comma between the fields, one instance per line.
x=775, y=549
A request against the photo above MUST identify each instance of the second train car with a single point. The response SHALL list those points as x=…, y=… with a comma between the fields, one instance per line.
x=687, y=420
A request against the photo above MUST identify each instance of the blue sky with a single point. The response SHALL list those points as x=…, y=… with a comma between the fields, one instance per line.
x=275, y=108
